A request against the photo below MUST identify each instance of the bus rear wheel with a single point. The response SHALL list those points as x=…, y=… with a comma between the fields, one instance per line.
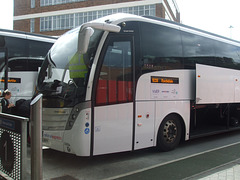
x=169, y=133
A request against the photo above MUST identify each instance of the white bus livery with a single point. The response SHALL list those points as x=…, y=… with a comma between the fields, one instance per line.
x=148, y=82
x=21, y=56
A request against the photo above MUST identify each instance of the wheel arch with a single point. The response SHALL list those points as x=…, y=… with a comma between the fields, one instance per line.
x=181, y=121
x=183, y=125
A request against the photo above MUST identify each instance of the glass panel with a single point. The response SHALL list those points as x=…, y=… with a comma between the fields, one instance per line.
x=63, y=20
x=32, y=3
x=114, y=11
x=161, y=48
x=100, y=14
x=136, y=10
x=50, y=23
x=141, y=10
x=115, y=80
x=94, y=14
x=73, y=83
x=54, y=23
x=197, y=49
x=41, y=24
x=58, y=22
x=16, y=47
x=227, y=55
x=38, y=49
x=71, y=21
x=32, y=25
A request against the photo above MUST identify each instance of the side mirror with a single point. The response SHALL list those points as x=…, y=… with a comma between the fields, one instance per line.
x=83, y=39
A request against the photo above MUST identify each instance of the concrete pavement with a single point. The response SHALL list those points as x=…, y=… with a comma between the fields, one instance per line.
x=214, y=157
x=221, y=163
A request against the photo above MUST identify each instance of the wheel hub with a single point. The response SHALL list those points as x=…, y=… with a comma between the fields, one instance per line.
x=170, y=131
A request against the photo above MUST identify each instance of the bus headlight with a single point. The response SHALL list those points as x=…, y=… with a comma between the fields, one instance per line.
x=72, y=118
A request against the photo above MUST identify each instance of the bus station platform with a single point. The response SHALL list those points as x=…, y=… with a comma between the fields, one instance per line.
x=220, y=164
x=228, y=172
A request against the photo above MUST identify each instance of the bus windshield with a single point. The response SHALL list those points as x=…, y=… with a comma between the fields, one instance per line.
x=64, y=74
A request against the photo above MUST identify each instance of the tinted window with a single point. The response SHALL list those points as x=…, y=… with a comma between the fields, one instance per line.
x=227, y=55
x=38, y=49
x=18, y=47
x=115, y=80
x=197, y=49
x=161, y=48
x=202, y=50
x=24, y=64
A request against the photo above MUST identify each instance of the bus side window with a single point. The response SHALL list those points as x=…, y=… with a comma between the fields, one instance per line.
x=227, y=55
x=24, y=64
x=18, y=65
x=115, y=79
x=161, y=48
x=197, y=49
x=34, y=65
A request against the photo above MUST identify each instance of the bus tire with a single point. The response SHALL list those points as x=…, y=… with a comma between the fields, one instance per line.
x=169, y=133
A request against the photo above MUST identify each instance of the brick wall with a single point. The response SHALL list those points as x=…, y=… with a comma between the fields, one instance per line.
x=23, y=25
x=22, y=7
x=160, y=11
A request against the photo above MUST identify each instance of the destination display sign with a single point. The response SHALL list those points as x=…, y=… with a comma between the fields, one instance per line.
x=165, y=80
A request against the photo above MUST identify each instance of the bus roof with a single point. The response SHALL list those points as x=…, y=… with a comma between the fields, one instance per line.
x=121, y=17
x=189, y=27
x=27, y=35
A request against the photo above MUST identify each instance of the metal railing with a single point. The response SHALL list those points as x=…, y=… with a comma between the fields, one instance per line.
x=13, y=146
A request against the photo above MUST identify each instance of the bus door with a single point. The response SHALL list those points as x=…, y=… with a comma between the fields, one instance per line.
x=113, y=112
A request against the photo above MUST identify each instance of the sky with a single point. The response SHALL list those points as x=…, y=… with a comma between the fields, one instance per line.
x=216, y=16
x=6, y=14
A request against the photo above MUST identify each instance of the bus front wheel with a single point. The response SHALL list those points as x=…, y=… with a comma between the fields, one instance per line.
x=169, y=133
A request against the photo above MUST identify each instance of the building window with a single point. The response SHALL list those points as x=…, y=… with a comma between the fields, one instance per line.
x=32, y=3
x=69, y=21
x=32, y=25
x=56, y=2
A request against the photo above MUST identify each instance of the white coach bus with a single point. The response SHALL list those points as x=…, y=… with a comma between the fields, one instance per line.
x=150, y=82
x=21, y=56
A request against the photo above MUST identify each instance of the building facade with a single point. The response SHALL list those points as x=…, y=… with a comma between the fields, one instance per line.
x=54, y=17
